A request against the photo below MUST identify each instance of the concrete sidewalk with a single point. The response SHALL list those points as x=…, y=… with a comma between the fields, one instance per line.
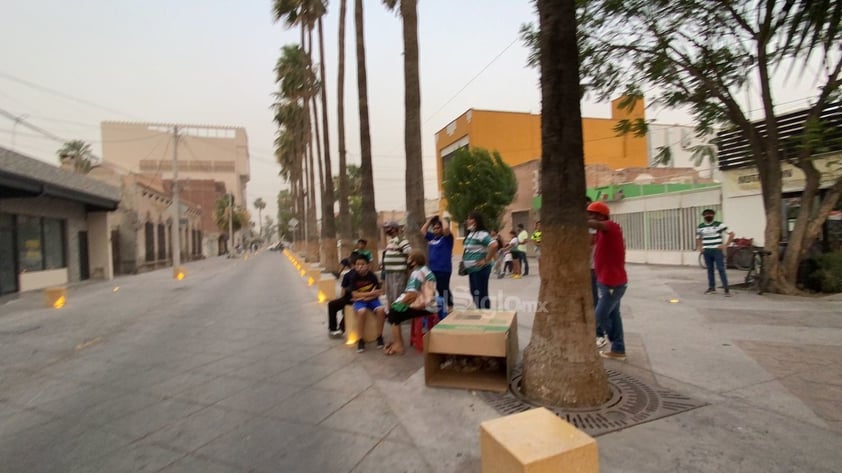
x=769, y=368
x=231, y=370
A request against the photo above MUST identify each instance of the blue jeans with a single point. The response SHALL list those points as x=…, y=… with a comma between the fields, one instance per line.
x=715, y=256
x=478, y=282
x=608, y=314
x=599, y=331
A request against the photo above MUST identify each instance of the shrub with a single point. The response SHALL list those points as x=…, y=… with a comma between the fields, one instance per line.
x=827, y=275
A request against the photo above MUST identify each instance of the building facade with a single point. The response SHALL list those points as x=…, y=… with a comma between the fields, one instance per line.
x=204, y=154
x=53, y=225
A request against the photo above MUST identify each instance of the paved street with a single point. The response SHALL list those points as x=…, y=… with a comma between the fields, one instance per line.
x=231, y=370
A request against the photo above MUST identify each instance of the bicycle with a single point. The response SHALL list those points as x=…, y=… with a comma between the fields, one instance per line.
x=739, y=255
x=756, y=276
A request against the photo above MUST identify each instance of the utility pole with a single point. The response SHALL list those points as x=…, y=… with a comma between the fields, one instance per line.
x=231, y=224
x=176, y=228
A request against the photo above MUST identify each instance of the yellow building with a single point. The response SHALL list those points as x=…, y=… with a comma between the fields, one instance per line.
x=517, y=137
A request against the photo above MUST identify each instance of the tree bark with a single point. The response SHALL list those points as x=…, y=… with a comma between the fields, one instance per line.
x=369, y=213
x=329, y=258
x=415, y=215
x=561, y=366
x=345, y=233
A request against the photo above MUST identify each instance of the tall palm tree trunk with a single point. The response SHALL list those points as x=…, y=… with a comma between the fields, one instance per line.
x=412, y=126
x=329, y=259
x=368, y=220
x=561, y=366
x=344, y=209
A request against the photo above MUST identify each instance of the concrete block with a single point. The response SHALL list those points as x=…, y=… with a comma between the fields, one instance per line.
x=55, y=297
x=326, y=288
x=352, y=333
x=536, y=441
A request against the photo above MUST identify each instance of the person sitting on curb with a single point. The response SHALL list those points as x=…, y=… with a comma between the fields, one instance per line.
x=338, y=305
x=365, y=293
x=419, y=299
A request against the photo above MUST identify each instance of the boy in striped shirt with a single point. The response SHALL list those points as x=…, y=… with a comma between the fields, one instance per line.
x=709, y=243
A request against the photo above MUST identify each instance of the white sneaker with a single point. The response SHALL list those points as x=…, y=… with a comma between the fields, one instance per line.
x=336, y=334
x=601, y=342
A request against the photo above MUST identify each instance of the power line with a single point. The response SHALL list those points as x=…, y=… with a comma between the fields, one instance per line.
x=33, y=85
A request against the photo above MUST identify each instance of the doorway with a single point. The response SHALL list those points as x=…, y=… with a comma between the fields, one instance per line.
x=8, y=256
x=84, y=264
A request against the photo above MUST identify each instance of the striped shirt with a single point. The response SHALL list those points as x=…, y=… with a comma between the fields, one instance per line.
x=711, y=234
x=394, y=256
x=475, y=248
x=416, y=281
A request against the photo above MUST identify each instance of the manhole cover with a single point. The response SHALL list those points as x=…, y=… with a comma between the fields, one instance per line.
x=632, y=402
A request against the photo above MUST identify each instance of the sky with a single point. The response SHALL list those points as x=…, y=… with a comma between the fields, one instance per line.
x=66, y=66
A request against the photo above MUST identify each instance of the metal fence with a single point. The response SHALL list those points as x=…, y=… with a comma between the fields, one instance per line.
x=662, y=230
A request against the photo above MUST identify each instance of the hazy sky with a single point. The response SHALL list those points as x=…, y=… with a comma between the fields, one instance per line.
x=211, y=62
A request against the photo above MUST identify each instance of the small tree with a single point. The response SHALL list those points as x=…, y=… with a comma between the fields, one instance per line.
x=79, y=154
x=476, y=179
x=222, y=212
x=260, y=204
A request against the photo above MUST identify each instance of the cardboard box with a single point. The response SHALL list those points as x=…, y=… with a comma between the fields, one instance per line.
x=536, y=441
x=473, y=333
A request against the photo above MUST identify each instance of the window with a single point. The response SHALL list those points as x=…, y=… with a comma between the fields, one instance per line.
x=30, y=253
x=40, y=243
x=149, y=237
x=54, y=254
x=162, y=242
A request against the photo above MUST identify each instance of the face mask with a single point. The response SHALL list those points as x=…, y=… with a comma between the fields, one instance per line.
x=708, y=218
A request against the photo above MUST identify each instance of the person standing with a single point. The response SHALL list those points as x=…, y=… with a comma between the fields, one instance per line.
x=478, y=255
x=536, y=240
x=512, y=247
x=394, y=261
x=611, y=279
x=709, y=243
x=437, y=233
x=522, y=238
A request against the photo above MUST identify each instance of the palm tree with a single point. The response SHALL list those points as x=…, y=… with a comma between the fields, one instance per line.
x=331, y=259
x=369, y=213
x=345, y=232
x=412, y=123
x=259, y=204
x=79, y=154
x=560, y=364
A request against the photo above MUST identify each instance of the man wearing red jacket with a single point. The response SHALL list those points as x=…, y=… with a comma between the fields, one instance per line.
x=611, y=279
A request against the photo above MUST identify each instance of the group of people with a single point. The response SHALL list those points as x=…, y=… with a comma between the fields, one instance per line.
x=416, y=286
x=413, y=288
x=511, y=258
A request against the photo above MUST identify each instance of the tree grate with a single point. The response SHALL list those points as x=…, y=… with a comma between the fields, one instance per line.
x=632, y=402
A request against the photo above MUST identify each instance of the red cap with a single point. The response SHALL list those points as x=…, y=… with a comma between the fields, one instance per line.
x=598, y=207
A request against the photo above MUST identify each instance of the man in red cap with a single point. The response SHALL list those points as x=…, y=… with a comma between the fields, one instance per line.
x=611, y=280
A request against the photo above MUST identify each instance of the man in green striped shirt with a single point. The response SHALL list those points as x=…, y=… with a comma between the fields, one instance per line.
x=709, y=241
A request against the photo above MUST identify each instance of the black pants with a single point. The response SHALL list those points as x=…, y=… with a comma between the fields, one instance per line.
x=333, y=307
x=443, y=286
x=395, y=317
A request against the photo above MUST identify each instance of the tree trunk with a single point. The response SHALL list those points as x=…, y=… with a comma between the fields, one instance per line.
x=345, y=232
x=561, y=366
x=329, y=259
x=415, y=215
x=369, y=213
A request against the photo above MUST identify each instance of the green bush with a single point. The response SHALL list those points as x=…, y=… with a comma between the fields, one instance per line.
x=827, y=275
